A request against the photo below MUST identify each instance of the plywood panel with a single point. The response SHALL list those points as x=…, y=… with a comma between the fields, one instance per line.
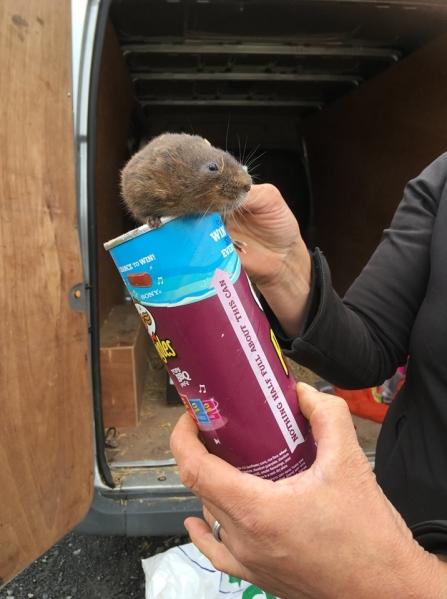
x=45, y=424
x=115, y=100
x=364, y=148
x=125, y=345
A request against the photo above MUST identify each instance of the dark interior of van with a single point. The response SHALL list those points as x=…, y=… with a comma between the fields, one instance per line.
x=337, y=103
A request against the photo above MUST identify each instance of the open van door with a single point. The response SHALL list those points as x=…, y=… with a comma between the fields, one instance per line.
x=45, y=399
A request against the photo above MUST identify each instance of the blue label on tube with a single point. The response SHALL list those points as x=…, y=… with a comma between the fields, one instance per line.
x=158, y=273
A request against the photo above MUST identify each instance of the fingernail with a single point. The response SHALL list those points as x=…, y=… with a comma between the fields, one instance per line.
x=309, y=387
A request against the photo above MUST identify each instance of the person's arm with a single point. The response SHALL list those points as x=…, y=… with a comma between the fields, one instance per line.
x=361, y=340
x=326, y=533
x=276, y=258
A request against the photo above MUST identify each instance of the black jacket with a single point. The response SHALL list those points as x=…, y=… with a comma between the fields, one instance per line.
x=396, y=308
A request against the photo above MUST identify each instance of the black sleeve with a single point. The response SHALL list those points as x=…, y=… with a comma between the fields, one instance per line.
x=431, y=535
x=360, y=341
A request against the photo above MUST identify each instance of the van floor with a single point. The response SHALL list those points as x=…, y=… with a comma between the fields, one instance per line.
x=149, y=440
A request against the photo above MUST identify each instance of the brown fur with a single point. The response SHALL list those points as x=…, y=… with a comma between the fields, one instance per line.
x=170, y=176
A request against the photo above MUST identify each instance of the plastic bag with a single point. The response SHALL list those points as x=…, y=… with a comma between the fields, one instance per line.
x=185, y=573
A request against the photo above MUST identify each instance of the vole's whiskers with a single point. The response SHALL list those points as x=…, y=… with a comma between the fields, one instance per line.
x=206, y=212
x=251, y=154
x=245, y=149
x=239, y=144
x=236, y=222
x=228, y=129
x=190, y=124
x=254, y=164
x=243, y=209
x=204, y=193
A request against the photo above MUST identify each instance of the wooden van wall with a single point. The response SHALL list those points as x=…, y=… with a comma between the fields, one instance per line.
x=115, y=100
x=46, y=458
x=364, y=148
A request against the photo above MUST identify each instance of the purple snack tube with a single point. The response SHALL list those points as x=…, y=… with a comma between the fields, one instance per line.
x=208, y=327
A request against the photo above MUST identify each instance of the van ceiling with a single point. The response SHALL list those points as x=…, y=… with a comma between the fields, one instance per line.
x=295, y=56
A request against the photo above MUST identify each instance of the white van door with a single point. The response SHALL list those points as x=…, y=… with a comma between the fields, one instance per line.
x=46, y=458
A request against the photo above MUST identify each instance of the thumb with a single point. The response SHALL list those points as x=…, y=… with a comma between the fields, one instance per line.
x=331, y=424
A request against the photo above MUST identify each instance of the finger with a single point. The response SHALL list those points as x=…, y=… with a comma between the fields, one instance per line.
x=187, y=429
x=211, y=519
x=262, y=196
x=217, y=553
x=208, y=477
x=331, y=423
x=227, y=516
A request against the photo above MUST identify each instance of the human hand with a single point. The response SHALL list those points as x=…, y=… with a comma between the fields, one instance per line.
x=270, y=230
x=276, y=257
x=326, y=533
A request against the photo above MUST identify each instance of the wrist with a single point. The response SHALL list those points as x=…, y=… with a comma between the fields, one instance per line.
x=402, y=567
x=396, y=567
x=424, y=577
x=287, y=289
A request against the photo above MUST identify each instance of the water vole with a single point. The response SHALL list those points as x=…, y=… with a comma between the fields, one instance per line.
x=180, y=174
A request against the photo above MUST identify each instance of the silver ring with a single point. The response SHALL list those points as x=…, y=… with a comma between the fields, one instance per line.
x=216, y=531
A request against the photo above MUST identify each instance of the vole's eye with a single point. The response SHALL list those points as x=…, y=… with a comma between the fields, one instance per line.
x=213, y=167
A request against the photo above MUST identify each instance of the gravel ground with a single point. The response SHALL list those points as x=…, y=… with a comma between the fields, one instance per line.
x=89, y=567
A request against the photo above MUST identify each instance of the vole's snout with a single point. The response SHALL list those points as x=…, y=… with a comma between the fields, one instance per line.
x=246, y=188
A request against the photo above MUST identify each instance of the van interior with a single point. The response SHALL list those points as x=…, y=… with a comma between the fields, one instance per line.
x=337, y=103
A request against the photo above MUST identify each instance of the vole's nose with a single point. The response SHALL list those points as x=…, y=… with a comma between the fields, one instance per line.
x=246, y=188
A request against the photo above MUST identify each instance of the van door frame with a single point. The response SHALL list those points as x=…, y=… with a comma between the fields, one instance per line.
x=89, y=19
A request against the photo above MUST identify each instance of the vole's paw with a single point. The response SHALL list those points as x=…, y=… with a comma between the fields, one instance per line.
x=239, y=245
x=154, y=222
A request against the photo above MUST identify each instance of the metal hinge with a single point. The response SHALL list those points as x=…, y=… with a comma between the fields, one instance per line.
x=77, y=298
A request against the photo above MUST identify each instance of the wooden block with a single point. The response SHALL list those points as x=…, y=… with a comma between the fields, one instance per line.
x=125, y=346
